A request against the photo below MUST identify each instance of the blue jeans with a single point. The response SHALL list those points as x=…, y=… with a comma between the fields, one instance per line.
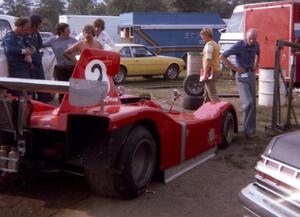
x=246, y=85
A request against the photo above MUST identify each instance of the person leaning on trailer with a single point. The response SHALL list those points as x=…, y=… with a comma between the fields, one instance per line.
x=59, y=43
x=101, y=36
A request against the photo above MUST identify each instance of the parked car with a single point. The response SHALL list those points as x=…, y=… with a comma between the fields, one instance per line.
x=138, y=60
x=275, y=191
x=46, y=35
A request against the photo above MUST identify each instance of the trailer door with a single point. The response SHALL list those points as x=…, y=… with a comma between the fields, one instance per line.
x=273, y=23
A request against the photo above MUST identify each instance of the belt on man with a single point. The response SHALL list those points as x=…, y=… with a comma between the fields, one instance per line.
x=249, y=70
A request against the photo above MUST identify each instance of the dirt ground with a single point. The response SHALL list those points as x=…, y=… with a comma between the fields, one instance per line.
x=209, y=190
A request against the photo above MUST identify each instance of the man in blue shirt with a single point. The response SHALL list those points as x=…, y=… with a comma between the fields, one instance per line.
x=17, y=52
x=247, y=56
x=34, y=39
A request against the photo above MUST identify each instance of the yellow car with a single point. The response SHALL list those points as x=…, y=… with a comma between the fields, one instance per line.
x=137, y=60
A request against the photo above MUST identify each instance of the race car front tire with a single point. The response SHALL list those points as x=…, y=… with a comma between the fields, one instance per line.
x=227, y=129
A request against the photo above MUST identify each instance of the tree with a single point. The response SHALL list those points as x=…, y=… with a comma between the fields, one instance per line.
x=50, y=11
x=189, y=5
x=16, y=7
x=116, y=7
x=79, y=6
x=98, y=9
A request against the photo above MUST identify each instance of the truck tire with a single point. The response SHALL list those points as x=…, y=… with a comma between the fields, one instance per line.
x=121, y=76
x=172, y=72
x=227, y=130
x=192, y=102
x=134, y=170
x=192, y=86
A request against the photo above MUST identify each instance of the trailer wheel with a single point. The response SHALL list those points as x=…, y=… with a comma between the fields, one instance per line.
x=172, y=72
x=192, y=86
x=134, y=170
x=121, y=76
x=227, y=130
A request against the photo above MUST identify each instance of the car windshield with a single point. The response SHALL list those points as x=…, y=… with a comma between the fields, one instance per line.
x=236, y=23
x=286, y=149
x=141, y=52
x=125, y=52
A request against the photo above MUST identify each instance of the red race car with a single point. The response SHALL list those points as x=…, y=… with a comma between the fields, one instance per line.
x=118, y=142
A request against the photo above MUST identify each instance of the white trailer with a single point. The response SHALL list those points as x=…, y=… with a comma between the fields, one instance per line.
x=77, y=22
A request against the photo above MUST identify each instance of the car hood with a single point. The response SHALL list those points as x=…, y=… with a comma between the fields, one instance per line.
x=285, y=148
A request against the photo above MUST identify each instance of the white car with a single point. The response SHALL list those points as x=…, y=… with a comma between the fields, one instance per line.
x=49, y=61
x=275, y=191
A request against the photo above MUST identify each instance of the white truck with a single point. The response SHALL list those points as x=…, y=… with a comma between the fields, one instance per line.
x=77, y=22
x=234, y=31
x=6, y=24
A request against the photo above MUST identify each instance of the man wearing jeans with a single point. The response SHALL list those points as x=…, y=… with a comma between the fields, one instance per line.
x=247, y=56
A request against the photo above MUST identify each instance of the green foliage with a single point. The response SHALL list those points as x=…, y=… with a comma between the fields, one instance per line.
x=16, y=7
x=116, y=7
x=50, y=11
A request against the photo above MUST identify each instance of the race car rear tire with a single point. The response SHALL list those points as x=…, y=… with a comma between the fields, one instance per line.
x=192, y=86
x=133, y=171
x=227, y=130
x=192, y=102
x=137, y=163
x=121, y=76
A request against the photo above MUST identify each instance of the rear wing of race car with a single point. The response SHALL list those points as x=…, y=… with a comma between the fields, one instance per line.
x=34, y=85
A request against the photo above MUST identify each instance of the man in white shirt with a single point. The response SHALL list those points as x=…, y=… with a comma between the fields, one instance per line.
x=101, y=36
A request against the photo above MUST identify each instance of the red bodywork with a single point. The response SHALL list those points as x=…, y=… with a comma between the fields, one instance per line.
x=172, y=129
x=275, y=21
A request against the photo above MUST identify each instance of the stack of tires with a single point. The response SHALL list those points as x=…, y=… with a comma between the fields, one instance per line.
x=192, y=86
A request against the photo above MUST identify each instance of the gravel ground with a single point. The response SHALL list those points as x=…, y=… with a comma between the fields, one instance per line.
x=209, y=190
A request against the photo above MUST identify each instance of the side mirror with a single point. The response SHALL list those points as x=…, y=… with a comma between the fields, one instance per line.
x=121, y=90
x=176, y=94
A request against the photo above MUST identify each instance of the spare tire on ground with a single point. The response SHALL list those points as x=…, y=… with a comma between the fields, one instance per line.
x=192, y=102
x=192, y=86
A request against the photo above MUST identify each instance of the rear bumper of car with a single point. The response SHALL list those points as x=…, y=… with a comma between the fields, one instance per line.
x=261, y=203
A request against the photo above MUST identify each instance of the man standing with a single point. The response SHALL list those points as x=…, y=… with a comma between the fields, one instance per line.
x=34, y=39
x=64, y=67
x=211, y=66
x=16, y=51
x=101, y=36
x=247, y=56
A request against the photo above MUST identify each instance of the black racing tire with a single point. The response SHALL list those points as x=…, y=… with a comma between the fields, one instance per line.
x=121, y=76
x=192, y=86
x=132, y=172
x=172, y=72
x=192, y=102
x=227, y=130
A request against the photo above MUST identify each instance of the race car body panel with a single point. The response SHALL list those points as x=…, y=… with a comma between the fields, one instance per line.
x=97, y=130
